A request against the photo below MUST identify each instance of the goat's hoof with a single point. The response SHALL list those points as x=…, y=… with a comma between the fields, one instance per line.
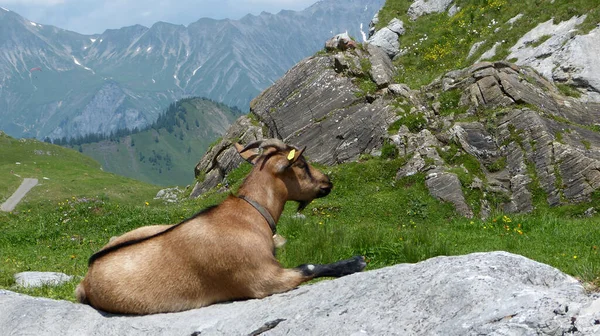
x=352, y=265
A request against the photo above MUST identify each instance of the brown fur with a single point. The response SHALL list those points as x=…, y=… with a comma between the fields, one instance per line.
x=221, y=255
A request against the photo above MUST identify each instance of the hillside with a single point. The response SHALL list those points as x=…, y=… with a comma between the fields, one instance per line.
x=166, y=151
x=64, y=174
x=454, y=34
x=124, y=78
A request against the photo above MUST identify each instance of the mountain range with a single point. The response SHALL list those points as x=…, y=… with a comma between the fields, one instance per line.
x=57, y=83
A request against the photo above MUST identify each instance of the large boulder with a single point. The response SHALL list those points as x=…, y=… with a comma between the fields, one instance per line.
x=495, y=293
x=315, y=107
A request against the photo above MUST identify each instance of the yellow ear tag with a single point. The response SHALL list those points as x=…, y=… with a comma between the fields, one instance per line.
x=291, y=155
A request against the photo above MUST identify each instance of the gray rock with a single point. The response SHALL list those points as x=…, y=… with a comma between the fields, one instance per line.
x=39, y=279
x=474, y=48
x=382, y=70
x=387, y=38
x=489, y=54
x=400, y=90
x=475, y=140
x=315, y=107
x=396, y=26
x=447, y=187
x=169, y=195
x=494, y=293
x=528, y=53
x=222, y=157
x=453, y=10
x=577, y=63
x=565, y=56
x=413, y=166
x=590, y=212
x=422, y=7
x=372, y=24
x=514, y=19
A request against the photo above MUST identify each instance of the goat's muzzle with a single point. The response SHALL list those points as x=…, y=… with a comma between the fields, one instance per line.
x=325, y=190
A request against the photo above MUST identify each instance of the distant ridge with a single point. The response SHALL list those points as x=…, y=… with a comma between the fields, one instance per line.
x=123, y=78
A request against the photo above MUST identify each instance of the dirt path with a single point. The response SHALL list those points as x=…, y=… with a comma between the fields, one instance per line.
x=23, y=189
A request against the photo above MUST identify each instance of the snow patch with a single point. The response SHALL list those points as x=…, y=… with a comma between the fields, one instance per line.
x=86, y=68
x=153, y=81
x=93, y=40
x=34, y=24
x=194, y=72
x=5, y=9
x=364, y=36
x=149, y=48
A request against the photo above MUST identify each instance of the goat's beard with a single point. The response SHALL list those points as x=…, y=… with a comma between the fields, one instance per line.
x=302, y=205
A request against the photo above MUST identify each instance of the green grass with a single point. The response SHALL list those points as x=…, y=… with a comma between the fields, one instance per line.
x=449, y=103
x=568, y=90
x=368, y=213
x=436, y=43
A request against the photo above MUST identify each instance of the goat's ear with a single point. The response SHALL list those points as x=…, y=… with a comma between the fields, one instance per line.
x=249, y=155
x=294, y=155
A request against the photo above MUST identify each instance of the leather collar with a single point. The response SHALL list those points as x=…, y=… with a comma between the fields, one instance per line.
x=262, y=211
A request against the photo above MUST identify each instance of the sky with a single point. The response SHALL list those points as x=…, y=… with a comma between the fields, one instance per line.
x=95, y=16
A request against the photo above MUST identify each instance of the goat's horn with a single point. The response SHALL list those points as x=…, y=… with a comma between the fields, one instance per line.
x=252, y=145
x=274, y=143
x=266, y=143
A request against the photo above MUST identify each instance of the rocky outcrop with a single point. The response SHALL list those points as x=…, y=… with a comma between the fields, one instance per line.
x=530, y=138
x=495, y=135
x=507, y=126
x=324, y=110
x=320, y=104
x=560, y=53
x=495, y=293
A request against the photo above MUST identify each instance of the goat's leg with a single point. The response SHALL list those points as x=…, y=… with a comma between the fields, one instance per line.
x=336, y=269
x=286, y=279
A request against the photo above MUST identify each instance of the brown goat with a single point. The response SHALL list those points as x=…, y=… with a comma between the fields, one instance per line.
x=223, y=253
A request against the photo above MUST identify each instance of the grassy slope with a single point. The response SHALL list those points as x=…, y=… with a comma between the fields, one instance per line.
x=62, y=173
x=368, y=213
x=436, y=43
x=185, y=145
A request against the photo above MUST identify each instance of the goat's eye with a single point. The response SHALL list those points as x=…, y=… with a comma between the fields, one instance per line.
x=301, y=164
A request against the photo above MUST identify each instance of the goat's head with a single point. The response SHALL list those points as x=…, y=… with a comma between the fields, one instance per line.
x=286, y=163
